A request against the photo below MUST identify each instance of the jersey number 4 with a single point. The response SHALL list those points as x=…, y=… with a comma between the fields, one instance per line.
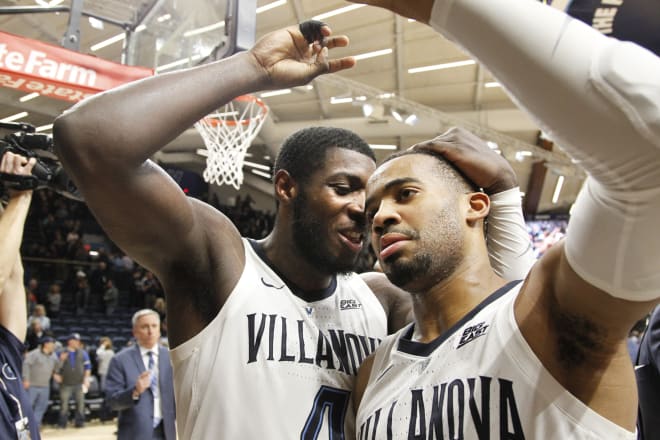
x=335, y=401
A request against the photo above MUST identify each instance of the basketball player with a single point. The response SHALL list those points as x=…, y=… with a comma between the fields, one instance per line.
x=267, y=335
x=543, y=359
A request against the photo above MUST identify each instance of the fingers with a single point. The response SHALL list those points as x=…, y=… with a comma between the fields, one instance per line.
x=16, y=164
x=314, y=30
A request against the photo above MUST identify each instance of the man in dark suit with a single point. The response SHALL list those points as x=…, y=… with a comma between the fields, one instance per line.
x=139, y=384
x=647, y=370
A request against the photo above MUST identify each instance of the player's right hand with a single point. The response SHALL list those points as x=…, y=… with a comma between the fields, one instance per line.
x=289, y=60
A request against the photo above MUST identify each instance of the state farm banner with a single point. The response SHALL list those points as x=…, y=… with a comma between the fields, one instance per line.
x=34, y=66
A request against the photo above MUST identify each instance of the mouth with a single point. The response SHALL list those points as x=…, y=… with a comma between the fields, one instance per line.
x=391, y=243
x=352, y=239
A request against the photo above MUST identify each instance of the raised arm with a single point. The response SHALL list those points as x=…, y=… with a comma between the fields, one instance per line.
x=599, y=99
x=13, y=308
x=105, y=142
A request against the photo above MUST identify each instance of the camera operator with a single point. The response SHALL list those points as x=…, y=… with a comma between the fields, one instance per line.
x=16, y=416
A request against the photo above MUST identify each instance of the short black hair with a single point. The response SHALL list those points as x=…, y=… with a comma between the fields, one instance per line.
x=304, y=151
x=446, y=170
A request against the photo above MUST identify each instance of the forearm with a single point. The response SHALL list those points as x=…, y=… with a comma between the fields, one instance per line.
x=11, y=231
x=112, y=127
x=509, y=246
x=600, y=100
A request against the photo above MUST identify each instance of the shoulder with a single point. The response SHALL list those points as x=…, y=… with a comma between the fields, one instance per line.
x=396, y=302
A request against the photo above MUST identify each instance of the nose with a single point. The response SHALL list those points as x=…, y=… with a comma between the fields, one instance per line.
x=356, y=205
x=385, y=216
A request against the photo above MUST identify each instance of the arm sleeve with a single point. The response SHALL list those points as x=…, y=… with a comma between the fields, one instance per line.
x=118, y=393
x=599, y=98
x=509, y=246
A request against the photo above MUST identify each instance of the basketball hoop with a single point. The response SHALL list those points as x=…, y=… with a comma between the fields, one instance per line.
x=227, y=134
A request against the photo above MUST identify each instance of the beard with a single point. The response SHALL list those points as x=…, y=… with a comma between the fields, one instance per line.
x=439, y=254
x=311, y=239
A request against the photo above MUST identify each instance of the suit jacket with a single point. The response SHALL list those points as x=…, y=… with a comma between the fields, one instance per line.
x=136, y=416
x=648, y=379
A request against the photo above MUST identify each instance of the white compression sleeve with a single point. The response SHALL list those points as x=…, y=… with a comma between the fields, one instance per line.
x=600, y=99
x=509, y=246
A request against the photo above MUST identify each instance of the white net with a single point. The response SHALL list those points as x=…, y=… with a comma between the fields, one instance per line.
x=227, y=134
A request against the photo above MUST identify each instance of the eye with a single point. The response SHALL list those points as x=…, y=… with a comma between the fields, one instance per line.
x=406, y=193
x=342, y=190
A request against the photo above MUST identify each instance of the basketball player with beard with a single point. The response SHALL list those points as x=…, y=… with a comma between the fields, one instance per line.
x=546, y=358
x=267, y=336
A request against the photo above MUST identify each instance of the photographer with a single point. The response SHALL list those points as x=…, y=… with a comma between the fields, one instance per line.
x=16, y=416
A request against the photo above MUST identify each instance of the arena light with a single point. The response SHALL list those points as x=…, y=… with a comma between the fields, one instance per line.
x=44, y=128
x=15, y=117
x=373, y=54
x=204, y=29
x=337, y=12
x=275, y=93
x=261, y=173
x=256, y=165
x=26, y=98
x=110, y=41
x=270, y=6
x=558, y=186
x=492, y=84
x=441, y=66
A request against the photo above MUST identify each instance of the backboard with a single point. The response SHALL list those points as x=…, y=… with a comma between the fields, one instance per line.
x=176, y=34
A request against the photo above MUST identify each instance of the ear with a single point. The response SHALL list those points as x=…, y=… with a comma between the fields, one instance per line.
x=286, y=187
x=478, y=209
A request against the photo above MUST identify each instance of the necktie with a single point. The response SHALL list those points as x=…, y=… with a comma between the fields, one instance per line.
x=153, y=384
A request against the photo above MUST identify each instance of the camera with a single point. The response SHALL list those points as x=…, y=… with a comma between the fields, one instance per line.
x=47, y=172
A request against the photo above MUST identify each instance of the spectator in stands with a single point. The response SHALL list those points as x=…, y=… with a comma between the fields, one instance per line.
x=104, y=354
x=151, y=288
x=73, y=371
x=136, y=289
x=34, y=335
x=54, y=300
x=82, y=292
x=98, y=278
x=38, y=369
x=160, y=306
x=39, y=314
x=31, y=295
x=110, y=297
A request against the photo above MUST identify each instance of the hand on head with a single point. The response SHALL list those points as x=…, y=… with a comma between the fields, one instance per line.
x=289, y=60
x=474, y=158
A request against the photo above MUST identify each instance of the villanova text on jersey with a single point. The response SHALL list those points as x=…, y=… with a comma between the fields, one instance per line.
x=442, y=411
x=275, y=338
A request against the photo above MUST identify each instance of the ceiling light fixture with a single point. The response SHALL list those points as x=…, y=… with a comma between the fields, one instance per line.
x=337, y=12
x=26, y=98
x=48, y=3
x=105, y=43
x=558, y=186
x=275, y=93
x=374, y=54
x=256, y=165
x=262, y=174
x=11, y=118
x=44, y=128
x=336, y=100
x=270, y=6
x=204, y=29
x=442, y=66
x=492, y=84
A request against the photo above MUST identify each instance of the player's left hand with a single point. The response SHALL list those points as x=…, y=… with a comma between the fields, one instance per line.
x=476, y=160
x=290, y=60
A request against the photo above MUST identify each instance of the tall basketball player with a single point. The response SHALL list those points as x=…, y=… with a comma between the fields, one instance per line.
x=546, y=358
x=267, y=335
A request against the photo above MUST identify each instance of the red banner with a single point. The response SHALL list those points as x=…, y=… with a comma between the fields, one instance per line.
x=34, y=66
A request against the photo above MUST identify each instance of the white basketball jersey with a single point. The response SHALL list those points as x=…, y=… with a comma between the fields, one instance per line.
x=479, y=380
x=272, y=366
